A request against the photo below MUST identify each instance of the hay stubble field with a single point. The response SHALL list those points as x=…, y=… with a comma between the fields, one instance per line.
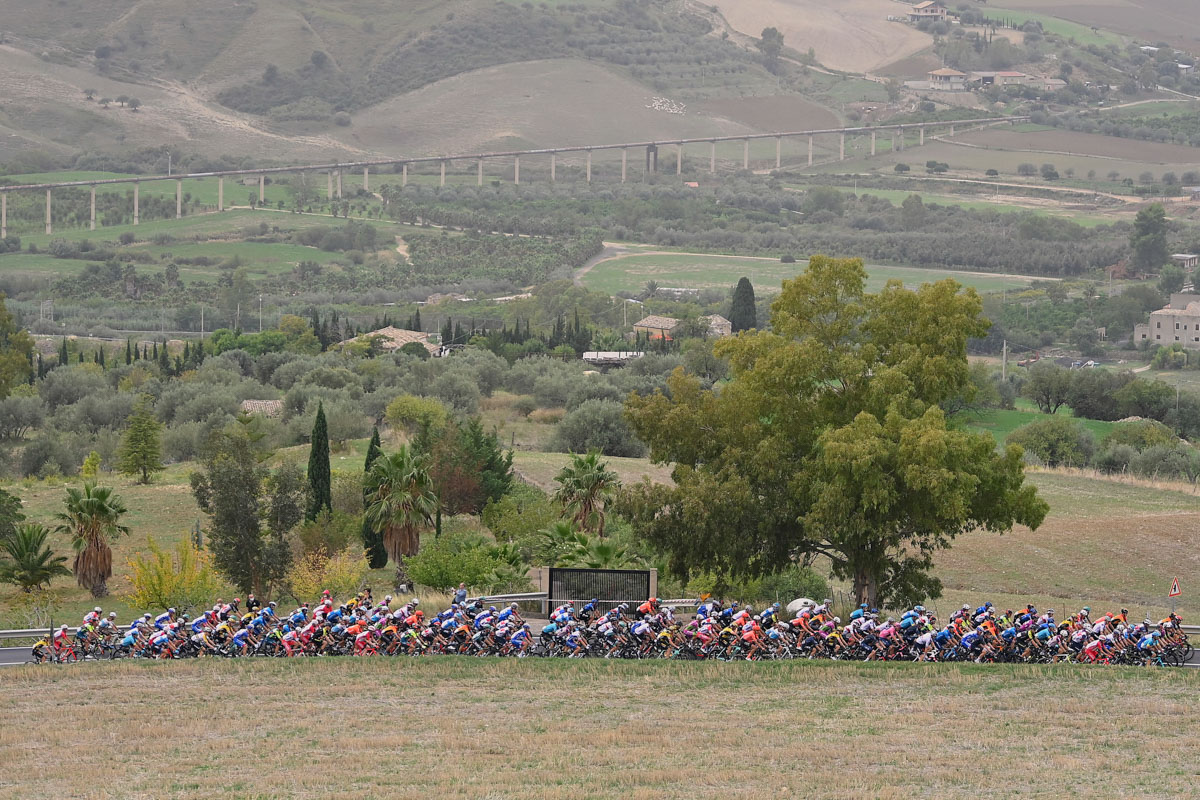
x=450, y=727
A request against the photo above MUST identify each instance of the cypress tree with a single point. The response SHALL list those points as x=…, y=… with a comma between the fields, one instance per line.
x=62, y=352
x=141, y=447
x=80, y=356
x=373, y=539
x=417, y=320
x=742, y=314
x=128, y=353
x=163, y=362
x=156, y=350
x=100, y=357
x=321, y=495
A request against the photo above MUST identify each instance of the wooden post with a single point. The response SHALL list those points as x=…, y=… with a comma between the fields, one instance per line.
x=624, y=162
x=92, y=210
x=810, y=140
x=479, y=173
x=712, y=158
x=136, y=203
x=178, y=199
x=745, y=154
x=220, y=194
x=589, y=166
x=49, y=224
x=778, y=151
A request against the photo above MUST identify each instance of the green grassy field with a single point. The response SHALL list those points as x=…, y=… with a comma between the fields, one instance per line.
x=557, y=729
x=981, y=203
x=1001, y=422
x=699, y=271
x=1083, y=34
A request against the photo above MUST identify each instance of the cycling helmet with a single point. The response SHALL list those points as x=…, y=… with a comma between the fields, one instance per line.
x=491, y=608
x=271, y=604
x=837, y=620
x=419, y=614
x=146, y=615
x=170, y=611
x=776, y=606
x=734, y=604
x=186, y=618
x=112, y=615
x=96, y=609
x=416, y=602
x=966, y=607
x=63, y=628
x=595, y=600
x=570, y=602
x=514, y=605
x=921, y=609
x=757, y=618
x=525, y=626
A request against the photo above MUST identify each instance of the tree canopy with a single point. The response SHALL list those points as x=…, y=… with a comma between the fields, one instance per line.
x=742, y=314
x=16, y=348
x=1149, y=238
x=829, y=440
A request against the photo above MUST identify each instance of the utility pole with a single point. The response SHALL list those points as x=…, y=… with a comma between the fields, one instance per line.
x=1004, y=362
x=260, y=313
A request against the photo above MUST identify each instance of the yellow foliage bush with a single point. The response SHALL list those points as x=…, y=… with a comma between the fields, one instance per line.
x=182, y=581
x=343, y=573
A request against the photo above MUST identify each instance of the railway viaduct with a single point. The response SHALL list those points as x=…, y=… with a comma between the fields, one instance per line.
x=333, y=172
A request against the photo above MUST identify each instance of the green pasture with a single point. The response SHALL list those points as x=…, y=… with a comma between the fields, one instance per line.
x=702, y=271
x=1081, y=33
x=980, y=203
x=1002, y=422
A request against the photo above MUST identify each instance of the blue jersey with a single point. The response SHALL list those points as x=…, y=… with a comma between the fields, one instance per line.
x=550, y=628
x=506, y=613
x=162, y=619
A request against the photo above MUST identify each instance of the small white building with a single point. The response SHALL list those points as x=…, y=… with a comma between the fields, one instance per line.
x=947, y=80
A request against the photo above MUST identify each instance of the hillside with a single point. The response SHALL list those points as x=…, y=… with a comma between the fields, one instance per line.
x=269, y=79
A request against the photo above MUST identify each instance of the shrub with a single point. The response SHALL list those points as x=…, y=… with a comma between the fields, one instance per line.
x=457, y=391
x=524, y=405
x=445, y=562
x=184, y=581
x=548, y=416
x=330, y=533
x=1141, y=435
x=787, y=258
x=1056, y=441
x=1116, y=458
x=792, y=583
x=411, y=413
x=597, y=425
x=342, y=574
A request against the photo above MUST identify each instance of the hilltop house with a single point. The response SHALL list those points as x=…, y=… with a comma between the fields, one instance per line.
x=947, y=80
x=1186, y=260
x=929, y=9
x=655, y=327
x=718, y=326
x=392, y=339
x=1177, y=323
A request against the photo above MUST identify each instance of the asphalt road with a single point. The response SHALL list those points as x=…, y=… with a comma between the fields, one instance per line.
x=19, y=655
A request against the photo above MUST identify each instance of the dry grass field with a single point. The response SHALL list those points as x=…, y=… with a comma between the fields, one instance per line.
x=446, y=727
x=850, y=35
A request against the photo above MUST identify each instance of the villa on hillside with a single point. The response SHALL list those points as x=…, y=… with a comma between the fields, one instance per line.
x=1177, y=323
x=1186, y=260
x=929, y=9
x=655, y=327
x=947, y=80
x=392, y=339
x=718, y=326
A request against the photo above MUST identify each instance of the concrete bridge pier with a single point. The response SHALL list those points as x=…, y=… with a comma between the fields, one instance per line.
x=479, y=173
x=404, y=174
x=745, y=154
x=339, y=184
x=872, y=142
x=262, y=187
x=589, y=166
x=679, y=159
x=922, y=140
x=553, y=159
x=92, y=209
x=651, y=159
x=624, y=163
x=712, y=158
x=778, y=151
x=178, y=199
x=900, y=140
x=842, y=148
x=810, y=146
x=136, y=203
x=366, y=179
x=49, y=224
x=220, y=194
x=329, y=185
x=441, y=178
x=517, y=170
x=3, y=214
x=952, y=131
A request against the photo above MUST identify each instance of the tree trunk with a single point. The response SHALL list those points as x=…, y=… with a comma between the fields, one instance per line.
x=401, y=581
x=100, y=588
x=866, y=588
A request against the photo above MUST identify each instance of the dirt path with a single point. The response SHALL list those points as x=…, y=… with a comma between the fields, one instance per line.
x=402, y=247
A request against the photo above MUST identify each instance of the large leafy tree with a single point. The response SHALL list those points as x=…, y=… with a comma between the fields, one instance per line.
x=10, y=513
x=29, y=562
x=742, y=312
x=1149, y=237
x=141, y=447
x=401, y=503
x=372, y=536
x=584, y=487
x=320, y=494
x=229, y=490
x=92, y=518
x=829, y=441
x=16, y=349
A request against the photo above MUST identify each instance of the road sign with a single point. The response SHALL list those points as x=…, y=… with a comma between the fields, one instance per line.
x=1175, y=588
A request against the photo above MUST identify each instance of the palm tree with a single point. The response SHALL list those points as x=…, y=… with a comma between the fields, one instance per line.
x=592, y=553
x=400, y=502
x=92, y=518
x=585, y=485
x=31, y=563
